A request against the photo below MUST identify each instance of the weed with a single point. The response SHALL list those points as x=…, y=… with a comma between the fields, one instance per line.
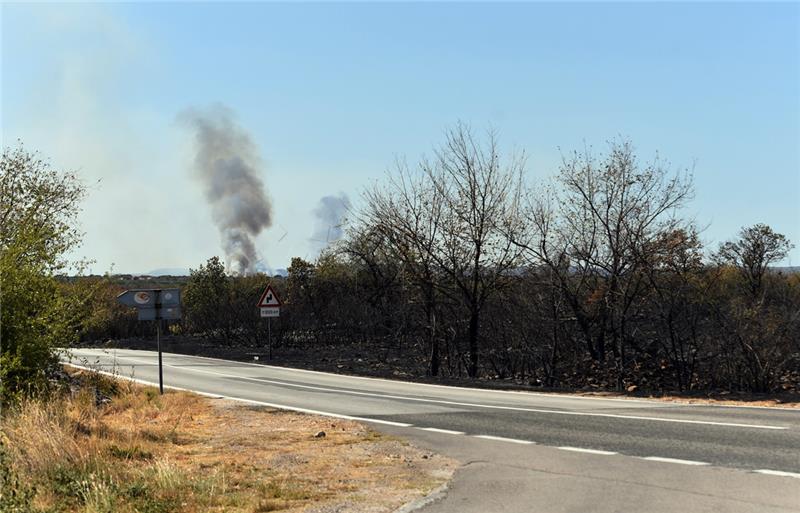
x=286, y=490
x=15, y=495
x=65, y=481
x=267, y=505
x=136, y=490
x=69, y=453
x=129, y=453
x=153, y=503
x=98, y=493
x=165, y=475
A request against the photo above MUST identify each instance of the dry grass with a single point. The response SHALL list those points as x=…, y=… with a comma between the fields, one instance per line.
x=788, y=401
x=180, y=452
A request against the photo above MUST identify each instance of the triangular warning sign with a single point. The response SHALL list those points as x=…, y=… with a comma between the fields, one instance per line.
x=269, y=298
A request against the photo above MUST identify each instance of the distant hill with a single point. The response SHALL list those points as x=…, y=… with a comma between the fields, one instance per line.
x=168, y=271
x=181, y=271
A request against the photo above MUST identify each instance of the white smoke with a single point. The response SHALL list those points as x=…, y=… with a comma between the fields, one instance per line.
x=330, y=216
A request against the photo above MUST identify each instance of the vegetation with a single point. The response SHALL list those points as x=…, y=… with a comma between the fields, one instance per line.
x=109, y=446
x=457, y=268
x=38, y=207
x=453, y=268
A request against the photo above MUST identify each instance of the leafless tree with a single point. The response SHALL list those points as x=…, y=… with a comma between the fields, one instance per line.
x=592, y=232
x=449, y=222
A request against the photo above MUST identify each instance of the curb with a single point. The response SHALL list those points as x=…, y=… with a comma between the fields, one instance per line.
x=417, y=504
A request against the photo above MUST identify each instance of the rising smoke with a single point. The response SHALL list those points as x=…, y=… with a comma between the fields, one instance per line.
x=329, y=222
x=228, y=166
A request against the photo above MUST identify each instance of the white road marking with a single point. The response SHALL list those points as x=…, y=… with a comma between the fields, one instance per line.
x=589, y=451
x=445, y=431
x=457, y=403
x=674, y=460
x=652, y=402
x=401, y=424
x=249, y=401
x=503, y=439
x=778, y=473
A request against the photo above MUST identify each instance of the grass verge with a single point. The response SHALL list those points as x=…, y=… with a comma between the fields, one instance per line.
x=142, y=452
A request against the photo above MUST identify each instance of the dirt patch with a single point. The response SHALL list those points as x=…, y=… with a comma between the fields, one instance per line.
x=112, y=446
x=314, y=464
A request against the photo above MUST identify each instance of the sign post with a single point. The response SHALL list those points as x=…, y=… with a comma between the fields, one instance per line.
x=160, y=366
x=270, y=307
x=154, y=305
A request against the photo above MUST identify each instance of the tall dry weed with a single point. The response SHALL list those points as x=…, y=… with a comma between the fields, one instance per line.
x=41, y=436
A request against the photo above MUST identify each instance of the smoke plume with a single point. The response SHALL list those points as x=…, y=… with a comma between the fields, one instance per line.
x=330, y=218
x=228, y=166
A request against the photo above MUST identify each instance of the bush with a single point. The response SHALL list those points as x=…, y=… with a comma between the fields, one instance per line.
x=38, y=209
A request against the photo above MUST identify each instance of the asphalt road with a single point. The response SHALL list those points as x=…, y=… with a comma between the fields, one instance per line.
x=528, y=452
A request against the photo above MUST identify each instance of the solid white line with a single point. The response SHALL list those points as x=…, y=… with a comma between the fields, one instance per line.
x=445, y=431
x=589, y=451
x=778, y=473
x=457, y=403
x=651, y=402
x=249, y=401
x=398, y=424
x=503, y=439
x=674, y=460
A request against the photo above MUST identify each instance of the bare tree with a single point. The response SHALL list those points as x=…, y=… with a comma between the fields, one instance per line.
x=593, y=232
x=449, y=221
x=407, y=213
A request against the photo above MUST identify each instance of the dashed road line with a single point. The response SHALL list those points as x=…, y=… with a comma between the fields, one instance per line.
x=467, y=404
x=444, y=431
x=770, y=472
x=504, y=439
x=777, y=473
x=588, y=451
x=675, y=460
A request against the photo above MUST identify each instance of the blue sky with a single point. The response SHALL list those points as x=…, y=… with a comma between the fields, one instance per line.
x=332, y=93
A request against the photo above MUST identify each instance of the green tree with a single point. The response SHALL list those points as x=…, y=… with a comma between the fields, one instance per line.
x=753, y=251
x=38, y=210
x=207, y=300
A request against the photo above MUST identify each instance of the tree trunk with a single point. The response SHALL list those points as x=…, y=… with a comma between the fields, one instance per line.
x=434, y=362
x=474, y=323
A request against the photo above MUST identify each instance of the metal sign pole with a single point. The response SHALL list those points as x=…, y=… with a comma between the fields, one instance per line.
x=270, y=307
x=160, y=367
x=158, y=342
x=154, y=305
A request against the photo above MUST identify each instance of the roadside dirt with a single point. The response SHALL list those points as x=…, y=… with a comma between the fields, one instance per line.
x=106, y=445
x=322, y=465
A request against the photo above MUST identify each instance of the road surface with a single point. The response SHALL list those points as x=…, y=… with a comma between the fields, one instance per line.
x=529, y=452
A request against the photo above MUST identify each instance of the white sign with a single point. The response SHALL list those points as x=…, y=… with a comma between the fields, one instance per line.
x=270, y=311
x=269, y=299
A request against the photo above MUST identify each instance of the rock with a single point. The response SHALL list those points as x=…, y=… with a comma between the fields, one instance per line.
x=320, y=434
x=632, y=388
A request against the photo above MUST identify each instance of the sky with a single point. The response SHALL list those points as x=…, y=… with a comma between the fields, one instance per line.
x=331, y=94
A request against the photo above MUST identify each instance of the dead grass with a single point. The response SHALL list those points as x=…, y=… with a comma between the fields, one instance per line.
x=180, y=452
x=789, y=401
